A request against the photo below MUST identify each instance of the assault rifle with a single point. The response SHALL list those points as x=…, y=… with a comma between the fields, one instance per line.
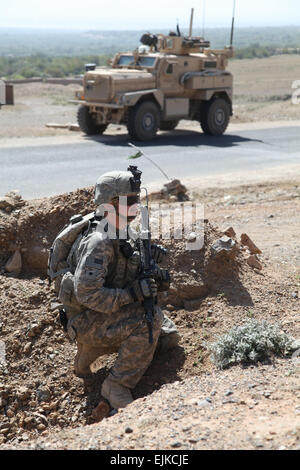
x=148, y=266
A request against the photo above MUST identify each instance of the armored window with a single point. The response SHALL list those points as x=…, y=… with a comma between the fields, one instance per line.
x=210, y=64
x=146, y=61
x=169, y=43
x=125, y=59
x=169, y=69
x=143, y=61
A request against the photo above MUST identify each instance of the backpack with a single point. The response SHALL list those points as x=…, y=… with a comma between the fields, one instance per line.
x=63, y=247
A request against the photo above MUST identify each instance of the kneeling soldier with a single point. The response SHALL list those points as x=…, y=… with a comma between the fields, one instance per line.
x=110, y=293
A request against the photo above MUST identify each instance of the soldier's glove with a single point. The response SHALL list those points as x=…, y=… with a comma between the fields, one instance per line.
x=143, y=289
x=158, y=252
x=163, y=280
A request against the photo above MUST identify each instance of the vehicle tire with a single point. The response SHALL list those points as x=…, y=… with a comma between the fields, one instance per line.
x=143, y=121
x=87, y=123
x=215, y=116
x=168, y=125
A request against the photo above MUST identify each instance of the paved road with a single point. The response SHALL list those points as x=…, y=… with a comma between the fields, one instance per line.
x=53, y=169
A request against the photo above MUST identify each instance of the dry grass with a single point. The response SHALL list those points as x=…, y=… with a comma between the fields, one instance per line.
x=263, y=88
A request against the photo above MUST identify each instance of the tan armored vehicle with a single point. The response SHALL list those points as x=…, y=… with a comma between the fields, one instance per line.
x=167, y=79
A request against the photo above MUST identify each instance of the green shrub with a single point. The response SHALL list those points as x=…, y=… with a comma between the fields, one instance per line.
x=252, y=342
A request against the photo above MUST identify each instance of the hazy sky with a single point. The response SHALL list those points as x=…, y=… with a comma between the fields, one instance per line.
x=141, y=14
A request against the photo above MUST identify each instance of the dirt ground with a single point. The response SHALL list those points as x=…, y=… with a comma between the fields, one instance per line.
x=183, y=401
x=263, y=88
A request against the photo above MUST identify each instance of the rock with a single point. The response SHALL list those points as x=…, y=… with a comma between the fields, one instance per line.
x=295, y=346
x=4, y=430
x=193, y=304
x=196, y=402
x=36, y=258
x=170, y=307
x=175, y=188
x=3, y=403
x=224, y=245
x=253, y=262
x=73, y=127
x=14, y=264
x=29, y=422
x=203, y=403
x=176, y=444
x=23, y=393
x=43, y=394
x=192, y=236
x=230, y=232
x=10, y=414
x=27, y=347
x=128, y=430
x=55, y=125
x=55, y=306
x=5, y=205
x=33, y=330
x=11, y=201
x=41, y=427
x=246, y=241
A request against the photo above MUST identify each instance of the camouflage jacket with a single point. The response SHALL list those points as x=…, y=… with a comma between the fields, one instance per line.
x=103, y=274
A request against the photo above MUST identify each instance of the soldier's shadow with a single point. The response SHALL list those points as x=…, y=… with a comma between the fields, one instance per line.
x=92, y=391
x=163, y=369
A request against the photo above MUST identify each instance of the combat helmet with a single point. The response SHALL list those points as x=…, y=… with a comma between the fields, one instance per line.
x=117, y=183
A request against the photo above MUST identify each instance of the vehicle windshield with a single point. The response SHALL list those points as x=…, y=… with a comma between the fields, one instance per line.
x=142, y=62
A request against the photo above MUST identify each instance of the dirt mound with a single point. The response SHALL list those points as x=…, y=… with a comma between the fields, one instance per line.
x=32, y=228
x=29, y=228
x=39, y=392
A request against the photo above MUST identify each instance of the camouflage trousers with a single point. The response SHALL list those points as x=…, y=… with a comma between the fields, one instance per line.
x=125, y=332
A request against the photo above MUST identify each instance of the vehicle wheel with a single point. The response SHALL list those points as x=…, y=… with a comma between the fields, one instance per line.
x=215, y=116
x=143, y=121
x=168, y=125
x=87, y=123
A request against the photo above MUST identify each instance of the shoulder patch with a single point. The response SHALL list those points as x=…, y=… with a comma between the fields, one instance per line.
x=93, y=262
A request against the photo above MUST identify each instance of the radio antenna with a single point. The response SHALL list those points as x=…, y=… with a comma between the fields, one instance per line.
x=178, y=29
x=191, y=23
x=203, y=18
x=232, y=24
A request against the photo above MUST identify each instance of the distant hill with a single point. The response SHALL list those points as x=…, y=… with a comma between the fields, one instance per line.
x=26, y=42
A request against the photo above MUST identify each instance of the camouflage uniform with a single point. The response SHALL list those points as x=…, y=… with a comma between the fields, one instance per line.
x=102, y=313
x=109, y=320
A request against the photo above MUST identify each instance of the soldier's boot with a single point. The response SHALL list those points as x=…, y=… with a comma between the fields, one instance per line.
x=116, y=394
x=86, y=354
x=167, y=342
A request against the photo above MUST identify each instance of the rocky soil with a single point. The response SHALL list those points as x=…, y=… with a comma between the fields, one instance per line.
x=183, y=401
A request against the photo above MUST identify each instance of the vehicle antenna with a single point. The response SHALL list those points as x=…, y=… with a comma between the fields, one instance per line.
x=177, y=27
x=232, y=24
x=191, y=23
x=203, y=19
